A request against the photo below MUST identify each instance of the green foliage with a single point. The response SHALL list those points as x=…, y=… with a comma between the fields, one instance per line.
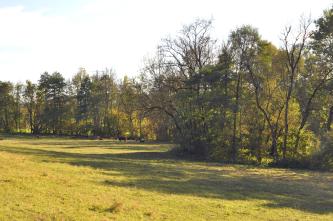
x=323, y=158
x=7, y=105
x=249, y=101
x=257, y=102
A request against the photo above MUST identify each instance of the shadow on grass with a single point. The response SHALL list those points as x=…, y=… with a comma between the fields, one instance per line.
x=161, y=172
x=105, y=144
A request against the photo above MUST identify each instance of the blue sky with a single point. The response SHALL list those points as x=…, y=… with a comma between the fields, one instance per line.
x=53, y=6
x=64, y=35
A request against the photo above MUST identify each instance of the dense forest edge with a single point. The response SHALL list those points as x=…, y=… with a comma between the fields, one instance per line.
x=243, y=101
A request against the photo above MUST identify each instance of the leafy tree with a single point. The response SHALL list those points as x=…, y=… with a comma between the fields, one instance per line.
x=53, y=89
x=6, y=106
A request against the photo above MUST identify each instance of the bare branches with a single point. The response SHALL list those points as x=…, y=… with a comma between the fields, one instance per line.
x=294, y=43
x=192, y=49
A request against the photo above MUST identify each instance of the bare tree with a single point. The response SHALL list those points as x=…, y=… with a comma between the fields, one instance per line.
x=192, y=49
x=293, y=46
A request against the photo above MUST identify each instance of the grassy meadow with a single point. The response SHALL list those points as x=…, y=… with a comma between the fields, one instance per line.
x=67, y=179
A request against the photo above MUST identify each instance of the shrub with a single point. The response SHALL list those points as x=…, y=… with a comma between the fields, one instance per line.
x=323, y=159
x=302, y=163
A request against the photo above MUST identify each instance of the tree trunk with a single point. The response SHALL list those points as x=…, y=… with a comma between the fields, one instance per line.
x=286, y=130
x=234, y=146
x=329, y=119
x=274, y=147
x=286, y=115
x=307, y=111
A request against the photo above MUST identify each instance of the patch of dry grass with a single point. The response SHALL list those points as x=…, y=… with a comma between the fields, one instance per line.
x=63, y=179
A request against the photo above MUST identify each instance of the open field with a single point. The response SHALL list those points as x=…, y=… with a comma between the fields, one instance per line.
x=63, y=179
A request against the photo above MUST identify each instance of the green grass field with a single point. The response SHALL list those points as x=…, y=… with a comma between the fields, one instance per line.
x=63, y=179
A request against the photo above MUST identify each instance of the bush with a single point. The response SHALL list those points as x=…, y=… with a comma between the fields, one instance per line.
x=323, y=159
x=303, y=163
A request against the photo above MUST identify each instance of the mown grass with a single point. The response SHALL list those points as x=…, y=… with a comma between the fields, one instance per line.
x=64, y=179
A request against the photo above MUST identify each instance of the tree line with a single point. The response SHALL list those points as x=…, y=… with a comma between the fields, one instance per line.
x=246, y=100
x=96, y=105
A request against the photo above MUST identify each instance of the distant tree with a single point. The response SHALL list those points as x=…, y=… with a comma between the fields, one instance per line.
x=322, y=44
x=128, y=100
x=243, y=47
x=53, y=89
x=30, y=102
x=293, y=47
x=184, y=56
x=6, y=106
x=83, y=101
x=17, y=111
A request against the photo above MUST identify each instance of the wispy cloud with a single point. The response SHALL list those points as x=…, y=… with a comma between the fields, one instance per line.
x=101, y=33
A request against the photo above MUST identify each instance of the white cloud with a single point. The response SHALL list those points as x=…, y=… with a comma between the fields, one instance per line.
x=118, y=34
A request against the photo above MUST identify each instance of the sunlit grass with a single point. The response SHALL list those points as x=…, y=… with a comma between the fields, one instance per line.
x=63, y=179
